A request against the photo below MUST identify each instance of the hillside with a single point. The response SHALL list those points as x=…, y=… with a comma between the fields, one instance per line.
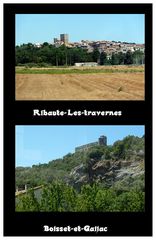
x=99, y=179
x=107, y=165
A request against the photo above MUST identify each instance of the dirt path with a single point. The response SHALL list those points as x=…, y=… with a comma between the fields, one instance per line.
x=101, y=86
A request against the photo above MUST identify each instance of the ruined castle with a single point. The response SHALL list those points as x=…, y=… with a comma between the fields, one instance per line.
x=102, y=141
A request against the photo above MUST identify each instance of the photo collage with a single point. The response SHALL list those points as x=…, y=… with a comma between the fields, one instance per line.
x=77, y=119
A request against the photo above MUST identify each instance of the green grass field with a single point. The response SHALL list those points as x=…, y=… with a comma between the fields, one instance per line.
x=72, y=70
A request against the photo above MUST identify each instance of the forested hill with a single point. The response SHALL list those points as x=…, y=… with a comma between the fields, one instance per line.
x=104, y=164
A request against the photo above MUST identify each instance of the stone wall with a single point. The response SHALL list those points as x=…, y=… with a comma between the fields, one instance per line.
x=102, y=141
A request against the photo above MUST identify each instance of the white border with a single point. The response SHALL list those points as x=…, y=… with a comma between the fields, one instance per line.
x=1, y=111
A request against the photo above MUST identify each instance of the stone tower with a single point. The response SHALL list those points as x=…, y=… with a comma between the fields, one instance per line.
x=64, y=38
x=102, y=140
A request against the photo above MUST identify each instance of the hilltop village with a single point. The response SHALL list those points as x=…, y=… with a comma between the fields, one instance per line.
x=107, y=66
x=108, y=47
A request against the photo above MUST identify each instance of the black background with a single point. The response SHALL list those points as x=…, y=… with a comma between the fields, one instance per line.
x=21, y=113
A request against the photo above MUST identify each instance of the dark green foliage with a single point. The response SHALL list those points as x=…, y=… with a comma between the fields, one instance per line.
x=104, y=200
x=129, y=202
x=128, y=58
x=86, y=201
x=46, y=173
x=95, y=55
x=127, y=148
x=27, y=203
x=48, y=55
x=119, y=150
x=121, y=57
x=103, y=59
x=107, y=153
x=59, y=197
x=138, y=57
x=95, y=153
x=114, y=59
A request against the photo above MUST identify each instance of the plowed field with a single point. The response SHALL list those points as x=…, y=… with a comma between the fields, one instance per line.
x=95, y=86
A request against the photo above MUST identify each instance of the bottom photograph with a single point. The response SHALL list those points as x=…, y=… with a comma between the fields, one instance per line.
x=79, y=168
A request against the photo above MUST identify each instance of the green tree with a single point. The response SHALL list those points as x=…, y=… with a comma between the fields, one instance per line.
x=70, y=198
x=128, y=58
x=104, y=200
x=114, y=59
x=107, y=153
x=95, y=153
x=86, y=200
x=129, y=202
x=103, y=58
x=119, y=150
x=58, y=197
x=121, y=57
x=52, y=198
x=45, y=44
x=95, y=55
x=27, y=203
x=138, y=57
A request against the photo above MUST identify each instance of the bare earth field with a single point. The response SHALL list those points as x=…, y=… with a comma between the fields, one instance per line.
x=95, y=86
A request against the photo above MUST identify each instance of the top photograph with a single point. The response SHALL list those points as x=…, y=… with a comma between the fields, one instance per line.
x=80, y=57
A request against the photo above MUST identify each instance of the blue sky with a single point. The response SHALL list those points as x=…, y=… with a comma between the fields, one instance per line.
x=39, y=28
x=41, y=144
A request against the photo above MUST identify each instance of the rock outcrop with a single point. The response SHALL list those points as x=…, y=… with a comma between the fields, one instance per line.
x=107, y=172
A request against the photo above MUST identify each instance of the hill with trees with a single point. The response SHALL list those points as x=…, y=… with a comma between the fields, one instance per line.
x=48, y=55
x=102, y=178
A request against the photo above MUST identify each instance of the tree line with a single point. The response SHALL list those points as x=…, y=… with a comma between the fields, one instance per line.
x=49, y=55
x=60, y=197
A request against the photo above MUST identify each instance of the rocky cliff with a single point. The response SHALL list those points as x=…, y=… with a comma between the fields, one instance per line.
x=108, y=172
